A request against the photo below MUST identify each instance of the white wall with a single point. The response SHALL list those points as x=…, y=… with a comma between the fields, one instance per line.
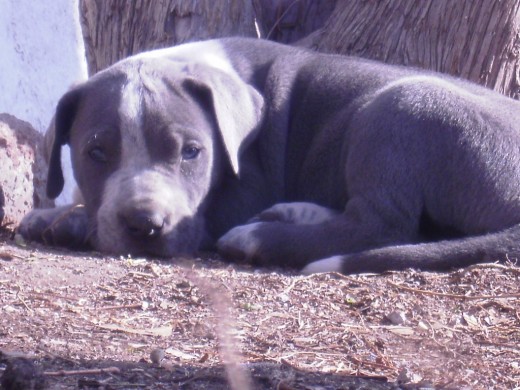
x=41, y=55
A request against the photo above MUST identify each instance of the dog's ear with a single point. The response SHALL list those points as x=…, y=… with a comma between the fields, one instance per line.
x=237, y=107
x=63, y=120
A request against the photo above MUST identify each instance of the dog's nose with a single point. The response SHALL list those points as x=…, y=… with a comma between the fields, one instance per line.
x=142, y=223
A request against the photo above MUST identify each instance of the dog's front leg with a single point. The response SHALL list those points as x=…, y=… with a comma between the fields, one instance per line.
x=65, y=226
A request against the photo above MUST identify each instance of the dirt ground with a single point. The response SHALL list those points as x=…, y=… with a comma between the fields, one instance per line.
x=82, y=320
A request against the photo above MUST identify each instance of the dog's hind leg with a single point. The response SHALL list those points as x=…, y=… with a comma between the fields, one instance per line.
x=436, y=256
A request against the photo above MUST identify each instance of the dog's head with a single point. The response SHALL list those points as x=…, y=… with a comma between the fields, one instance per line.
x=149, y=139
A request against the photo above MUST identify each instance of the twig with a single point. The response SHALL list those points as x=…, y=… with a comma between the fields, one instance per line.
x=44, y=296
x=21, y=298
x=9, y=256
x=339, y=275
x=501, y=345
x=456, y=296
x=290, y=365
x=93, y=371
x=441, y=345
x=372, y=364
x=278, y=21
x=291, y=286
x=128, y=306
x=514, y=270
x=141, y=274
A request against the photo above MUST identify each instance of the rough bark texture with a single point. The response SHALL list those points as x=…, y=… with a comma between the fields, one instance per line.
x=473, y=39
x=22, y=169
x=291, y=20
x=477, y=39
x=115, y=29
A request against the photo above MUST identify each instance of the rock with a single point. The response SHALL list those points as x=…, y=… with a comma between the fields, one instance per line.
x=396, y=318
x=42, y=54
x=157, y=356
x=23, y=170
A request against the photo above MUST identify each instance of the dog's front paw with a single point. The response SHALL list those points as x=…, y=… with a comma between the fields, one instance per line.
x=241, y=243
x=65, y=226
x=269, y=244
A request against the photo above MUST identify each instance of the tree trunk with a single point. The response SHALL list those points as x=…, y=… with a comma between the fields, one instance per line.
x=474, y=39
x=115, y=29
x=288, y=21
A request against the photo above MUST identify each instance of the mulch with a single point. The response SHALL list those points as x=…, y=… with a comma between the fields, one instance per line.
x=82, y=320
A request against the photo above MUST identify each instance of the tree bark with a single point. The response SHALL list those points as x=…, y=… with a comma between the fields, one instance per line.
x=115, y=29
x=474, y=39
x=288, y=21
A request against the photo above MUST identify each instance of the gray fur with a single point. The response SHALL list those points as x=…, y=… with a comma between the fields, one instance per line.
x=391, y=167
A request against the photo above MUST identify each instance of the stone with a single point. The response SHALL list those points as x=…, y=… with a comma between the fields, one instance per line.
x=23, y=170
x=43, y=54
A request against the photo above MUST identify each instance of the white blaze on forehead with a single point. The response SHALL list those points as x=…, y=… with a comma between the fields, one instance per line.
x=133, y=145
x=210, y=53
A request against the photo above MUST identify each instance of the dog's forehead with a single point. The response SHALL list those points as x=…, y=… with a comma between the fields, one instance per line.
x=143, y=95
x=150, y=107
x=98, y=107
x=130, y=113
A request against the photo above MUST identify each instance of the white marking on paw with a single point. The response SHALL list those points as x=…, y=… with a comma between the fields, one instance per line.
x=330, y=264
x=241, y=238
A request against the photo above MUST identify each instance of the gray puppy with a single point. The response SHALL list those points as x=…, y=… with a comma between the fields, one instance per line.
x=282, y=156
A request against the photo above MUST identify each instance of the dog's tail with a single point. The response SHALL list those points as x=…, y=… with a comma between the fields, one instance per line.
x=435, y=256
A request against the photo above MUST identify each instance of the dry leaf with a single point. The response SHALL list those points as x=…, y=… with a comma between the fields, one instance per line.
x=471, y=320
x=181, y=355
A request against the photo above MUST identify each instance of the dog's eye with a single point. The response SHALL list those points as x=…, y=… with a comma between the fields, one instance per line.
x=97, y=154
x=190, y=152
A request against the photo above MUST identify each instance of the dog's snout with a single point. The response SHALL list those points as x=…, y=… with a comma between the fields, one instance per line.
x=141, y=223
